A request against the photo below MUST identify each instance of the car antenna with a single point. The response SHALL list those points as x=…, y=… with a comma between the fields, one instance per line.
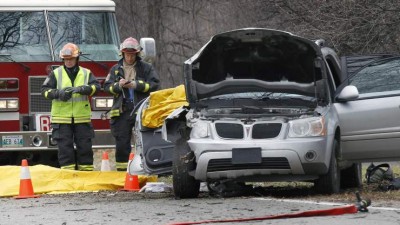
x=8, y=56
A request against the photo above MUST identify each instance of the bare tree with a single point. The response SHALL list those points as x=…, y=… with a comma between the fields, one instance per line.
x=181, y=27
x=350, y=26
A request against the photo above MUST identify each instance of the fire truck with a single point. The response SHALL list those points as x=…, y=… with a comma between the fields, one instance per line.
x=32, y=32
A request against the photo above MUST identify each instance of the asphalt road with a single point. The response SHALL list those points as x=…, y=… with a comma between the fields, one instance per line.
x=162, y=208
x=132, y=208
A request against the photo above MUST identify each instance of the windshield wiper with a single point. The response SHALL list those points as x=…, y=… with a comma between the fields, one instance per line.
x=8, y=56
x=100, y=64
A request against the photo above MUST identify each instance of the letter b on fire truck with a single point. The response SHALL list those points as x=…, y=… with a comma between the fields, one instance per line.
x=42, y=122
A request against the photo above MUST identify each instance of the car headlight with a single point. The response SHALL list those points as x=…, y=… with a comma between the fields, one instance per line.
x=309, y=127
x=200, y=130
x=9, y=104
x=102, y=103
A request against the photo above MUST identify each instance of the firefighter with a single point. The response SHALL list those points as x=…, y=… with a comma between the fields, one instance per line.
x=129, y=81
x=69, y=87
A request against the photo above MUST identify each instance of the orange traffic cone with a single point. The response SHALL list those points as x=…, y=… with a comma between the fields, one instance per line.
x=25, y=184
x=131, y=181
x=105, y=163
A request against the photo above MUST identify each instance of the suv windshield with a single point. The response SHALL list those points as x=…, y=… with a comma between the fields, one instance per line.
x=24, y=37
x=380, y=76
x=263, y=96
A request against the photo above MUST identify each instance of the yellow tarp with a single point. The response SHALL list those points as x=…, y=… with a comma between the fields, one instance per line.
x=50, y=180
x=162, y=103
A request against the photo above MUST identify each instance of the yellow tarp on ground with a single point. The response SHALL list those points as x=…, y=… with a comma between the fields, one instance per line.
x=162, y=103
x=50, y=180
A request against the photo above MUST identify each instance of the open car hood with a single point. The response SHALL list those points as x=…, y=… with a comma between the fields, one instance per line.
x=251, y=60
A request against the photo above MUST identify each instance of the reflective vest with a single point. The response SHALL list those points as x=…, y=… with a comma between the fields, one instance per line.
x=77, y=107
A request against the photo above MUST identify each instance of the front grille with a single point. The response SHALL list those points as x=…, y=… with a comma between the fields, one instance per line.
x=258, y=131
x=229, y=130
x=37, y=103
x=266, y=130
x=215, y=165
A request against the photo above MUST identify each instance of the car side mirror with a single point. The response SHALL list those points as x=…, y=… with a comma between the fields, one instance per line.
x=348, y=93
x=148, y=52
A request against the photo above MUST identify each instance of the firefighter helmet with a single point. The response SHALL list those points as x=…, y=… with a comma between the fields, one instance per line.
x=69, y=51
x=130, y=45
x=379, y=173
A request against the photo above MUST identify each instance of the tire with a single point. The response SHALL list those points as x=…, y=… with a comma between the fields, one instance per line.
x=351, y=177
x=185, y=185
x=330, y=183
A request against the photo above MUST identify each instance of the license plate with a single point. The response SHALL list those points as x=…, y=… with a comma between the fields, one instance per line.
x=12, y=141
x=246, y=155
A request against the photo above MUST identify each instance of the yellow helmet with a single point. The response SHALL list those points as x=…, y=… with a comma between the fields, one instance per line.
x=69, y=51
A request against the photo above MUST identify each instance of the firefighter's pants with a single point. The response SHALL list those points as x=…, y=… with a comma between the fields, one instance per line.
x=121, y=129
x=66, y=135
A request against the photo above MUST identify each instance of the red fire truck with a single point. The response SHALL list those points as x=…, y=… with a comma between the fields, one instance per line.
x=32, y=33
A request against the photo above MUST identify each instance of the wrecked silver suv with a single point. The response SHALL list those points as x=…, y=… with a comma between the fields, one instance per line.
x=260, y=109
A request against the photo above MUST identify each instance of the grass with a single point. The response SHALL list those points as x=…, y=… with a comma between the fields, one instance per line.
x=304, y=190
x=370, y=191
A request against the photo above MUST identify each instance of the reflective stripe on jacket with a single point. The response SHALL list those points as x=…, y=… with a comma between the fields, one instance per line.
x=78, y=107
x=146, y=81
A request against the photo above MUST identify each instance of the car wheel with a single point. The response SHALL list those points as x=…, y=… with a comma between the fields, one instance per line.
x=330, y=183
x=351, y=177
x=185, y=185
